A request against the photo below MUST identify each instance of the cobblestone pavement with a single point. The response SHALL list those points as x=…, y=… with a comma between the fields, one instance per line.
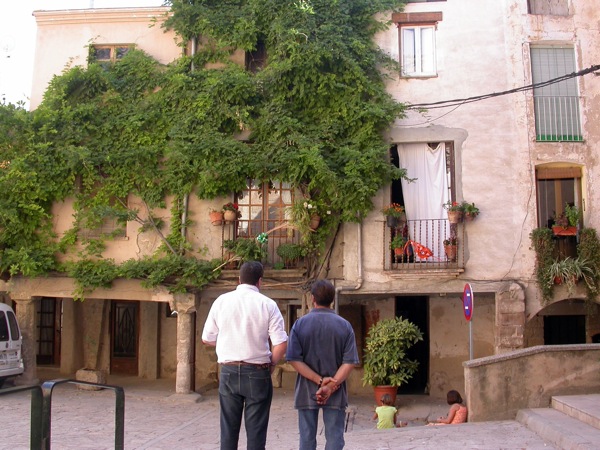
x=156, y=418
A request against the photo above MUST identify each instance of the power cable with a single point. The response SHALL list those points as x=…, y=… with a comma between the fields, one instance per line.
x=462, y=101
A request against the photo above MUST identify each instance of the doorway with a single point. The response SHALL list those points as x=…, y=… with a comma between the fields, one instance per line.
x=124, y=344
x=48, y=331
x=563, y=330
x=415, y=309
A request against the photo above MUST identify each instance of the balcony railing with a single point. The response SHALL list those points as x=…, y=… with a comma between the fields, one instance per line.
x=557, y=118
x=278, y=233
x=425, y=250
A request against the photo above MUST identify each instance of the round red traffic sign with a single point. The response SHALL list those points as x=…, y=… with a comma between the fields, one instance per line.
x=468, y=301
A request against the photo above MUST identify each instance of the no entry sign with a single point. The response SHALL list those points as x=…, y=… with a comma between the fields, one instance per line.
x=468, y=301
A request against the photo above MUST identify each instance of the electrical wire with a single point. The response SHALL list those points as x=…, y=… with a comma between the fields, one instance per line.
x=462, y=101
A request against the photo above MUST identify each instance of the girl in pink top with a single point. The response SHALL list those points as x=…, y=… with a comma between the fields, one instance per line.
x=456, y=414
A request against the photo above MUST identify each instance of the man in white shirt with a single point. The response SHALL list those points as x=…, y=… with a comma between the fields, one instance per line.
x=240, y=324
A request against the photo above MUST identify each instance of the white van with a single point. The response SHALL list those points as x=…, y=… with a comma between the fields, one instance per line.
x=11, y=360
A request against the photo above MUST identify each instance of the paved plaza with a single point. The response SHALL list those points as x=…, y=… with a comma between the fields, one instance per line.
x=156, y=418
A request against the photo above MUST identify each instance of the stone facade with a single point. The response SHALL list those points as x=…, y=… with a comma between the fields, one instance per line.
x=481, y=47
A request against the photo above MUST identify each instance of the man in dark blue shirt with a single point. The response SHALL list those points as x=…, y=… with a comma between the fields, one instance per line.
x=322, y=349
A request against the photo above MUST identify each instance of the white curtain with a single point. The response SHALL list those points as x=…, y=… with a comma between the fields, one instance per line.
x=425, y=196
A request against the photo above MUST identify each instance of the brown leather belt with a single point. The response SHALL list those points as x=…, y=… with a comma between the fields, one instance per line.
x=244, y=363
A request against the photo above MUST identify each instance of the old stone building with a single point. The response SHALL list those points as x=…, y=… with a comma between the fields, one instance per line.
x=493, y=135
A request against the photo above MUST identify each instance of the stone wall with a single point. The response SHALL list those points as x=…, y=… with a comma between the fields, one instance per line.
x=498, y=386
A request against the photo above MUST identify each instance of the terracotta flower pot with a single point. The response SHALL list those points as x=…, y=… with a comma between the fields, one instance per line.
x=230, y=216
x=216, y=217
x=315, y=220
x=455, y=216
x=379, y=391
x=451, y=252
x=564, y=231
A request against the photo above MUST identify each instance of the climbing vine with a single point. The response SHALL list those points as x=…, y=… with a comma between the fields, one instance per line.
x=316, y=113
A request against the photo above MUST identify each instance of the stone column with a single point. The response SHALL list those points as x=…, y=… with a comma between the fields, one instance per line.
x=26, y=317
x=510, y=318
x=185, y=306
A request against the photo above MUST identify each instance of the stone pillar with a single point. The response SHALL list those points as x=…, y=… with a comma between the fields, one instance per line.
x=510, y=318
x=185, y=306
x=26, y=317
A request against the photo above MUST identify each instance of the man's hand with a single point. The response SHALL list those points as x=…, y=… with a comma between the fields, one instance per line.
x=328, y=387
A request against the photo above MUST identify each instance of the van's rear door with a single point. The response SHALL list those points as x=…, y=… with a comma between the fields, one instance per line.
x=11, y=362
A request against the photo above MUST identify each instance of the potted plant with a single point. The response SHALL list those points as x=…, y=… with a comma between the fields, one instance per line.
x=451, y=247
x=569, y=271
x=455, y=211
x=290, y=253
x=395, y=215
x=470, y=211
x=244, y=249
x=386, y=366
x=543, y=245
x=567, y=221
x=231, y=212
x=397, y=244
x=216, y=216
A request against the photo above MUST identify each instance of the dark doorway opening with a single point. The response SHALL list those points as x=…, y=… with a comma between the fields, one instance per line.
x=48, y=335
x=563, y=330
x=124, y=337
x=415, y=308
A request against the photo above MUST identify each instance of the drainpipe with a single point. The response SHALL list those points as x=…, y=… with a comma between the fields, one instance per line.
x=359, y=281
x=186, y=197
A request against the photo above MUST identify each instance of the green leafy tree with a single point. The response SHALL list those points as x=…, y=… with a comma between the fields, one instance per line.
x=316, y=113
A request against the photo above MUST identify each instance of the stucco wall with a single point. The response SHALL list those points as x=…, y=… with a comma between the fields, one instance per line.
x=498, y=386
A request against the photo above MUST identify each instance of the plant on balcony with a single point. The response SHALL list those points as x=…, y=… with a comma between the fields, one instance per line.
x=566, y=222
x=395, y=215
x=451, y=247
x=216, y=216
x=231, y=211
x=543, y=245
x=569, y=271
x=455, y=211
x=470, y=211
x=244, y=249
x=589, y=249
x=290, y=253
x=397, y=244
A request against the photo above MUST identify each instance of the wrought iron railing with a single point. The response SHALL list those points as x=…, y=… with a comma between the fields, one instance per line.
x=278, y=232
x=557, y=118
x=426, y=247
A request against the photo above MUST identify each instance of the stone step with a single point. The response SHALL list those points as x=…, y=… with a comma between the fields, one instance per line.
x=560, y=429
x=585, y=408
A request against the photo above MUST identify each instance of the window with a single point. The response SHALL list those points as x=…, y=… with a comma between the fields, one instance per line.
x=417, y=43
x=257, y=58
x=555, y=188
x=106, y=54
x=418, y=51
x=556, y=106
x=551, y=8
x=263, y=207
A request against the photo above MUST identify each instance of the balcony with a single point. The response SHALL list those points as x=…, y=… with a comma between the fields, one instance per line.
x=557, y=119
x=424, y=251
x=278, y=234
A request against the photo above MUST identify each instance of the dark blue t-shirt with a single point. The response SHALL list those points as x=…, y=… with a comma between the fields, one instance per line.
x=323, y=341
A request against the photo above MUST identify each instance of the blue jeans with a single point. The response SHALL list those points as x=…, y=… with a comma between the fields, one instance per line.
x=334, y=420
x=246, y=389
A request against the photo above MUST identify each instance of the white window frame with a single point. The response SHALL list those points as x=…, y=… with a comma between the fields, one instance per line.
x=415, y=59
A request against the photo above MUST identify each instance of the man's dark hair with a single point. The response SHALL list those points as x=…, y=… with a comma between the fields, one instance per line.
x=251, y=272
x=453, y=397
x=323, y=291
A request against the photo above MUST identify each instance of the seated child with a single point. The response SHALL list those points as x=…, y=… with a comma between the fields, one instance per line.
x=385, y=414
x=457, y=412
